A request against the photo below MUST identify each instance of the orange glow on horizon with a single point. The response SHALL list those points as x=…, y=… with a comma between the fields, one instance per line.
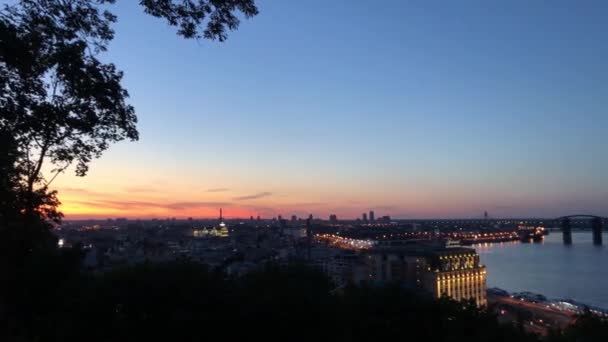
x=102, y=197
x=73, y=210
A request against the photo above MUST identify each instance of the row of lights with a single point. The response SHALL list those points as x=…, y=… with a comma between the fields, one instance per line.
x=460, y=277
x=455, y=256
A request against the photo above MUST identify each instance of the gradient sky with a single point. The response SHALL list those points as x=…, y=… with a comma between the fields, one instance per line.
x=414, y=109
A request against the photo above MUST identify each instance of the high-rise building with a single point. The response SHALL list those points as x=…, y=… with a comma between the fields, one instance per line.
x=372, y=217
x=333, y=218
x=438, y=268
x=294, y=218
x=364, y=217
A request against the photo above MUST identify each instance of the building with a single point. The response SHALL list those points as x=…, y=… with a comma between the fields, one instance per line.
x=386, y=219
x=333, y=219
x=372, y=216
x=438, y=268
x=364, y=217
x=342, y=268
x=220, y=230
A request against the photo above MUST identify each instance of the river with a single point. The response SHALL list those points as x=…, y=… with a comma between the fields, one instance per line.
x=578, y=272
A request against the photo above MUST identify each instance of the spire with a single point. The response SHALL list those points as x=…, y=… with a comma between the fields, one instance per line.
x=221, y=217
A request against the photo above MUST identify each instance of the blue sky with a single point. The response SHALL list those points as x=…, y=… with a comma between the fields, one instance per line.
x=419, y=108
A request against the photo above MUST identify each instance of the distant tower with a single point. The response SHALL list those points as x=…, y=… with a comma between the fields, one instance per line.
x=223, y=228
x=485, y=214
x=372, y=217
x=364, y=217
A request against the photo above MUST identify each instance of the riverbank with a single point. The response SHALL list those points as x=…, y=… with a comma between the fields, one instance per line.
x=535, y=312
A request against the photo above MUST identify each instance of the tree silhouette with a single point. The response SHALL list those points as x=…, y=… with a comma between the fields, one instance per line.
x=21, y=231
x=59, y=104
x=209, y=19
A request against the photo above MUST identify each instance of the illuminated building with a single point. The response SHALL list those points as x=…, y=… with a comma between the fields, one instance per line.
x=221, y=230
x=440, y=269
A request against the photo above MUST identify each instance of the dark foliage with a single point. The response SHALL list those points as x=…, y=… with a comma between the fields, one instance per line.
x=21, y=231
x=189, y=302
x=59, y=101
x=61, y=106
x=209, y=19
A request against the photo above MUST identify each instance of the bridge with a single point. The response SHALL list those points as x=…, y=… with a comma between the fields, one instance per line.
x=597, y=224
x=566, y=223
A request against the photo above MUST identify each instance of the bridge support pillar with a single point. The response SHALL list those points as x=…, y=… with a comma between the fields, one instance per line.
x=596, y=228
x=566, y=231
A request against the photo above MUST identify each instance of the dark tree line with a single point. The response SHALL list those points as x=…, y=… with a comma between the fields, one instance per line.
x=184, y=301
x=57, y=301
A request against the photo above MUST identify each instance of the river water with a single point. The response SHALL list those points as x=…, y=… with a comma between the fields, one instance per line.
x=578, y=272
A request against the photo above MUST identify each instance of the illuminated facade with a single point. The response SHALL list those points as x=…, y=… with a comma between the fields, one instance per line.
x=220, y=231
x=439, y=269
x=456, y=274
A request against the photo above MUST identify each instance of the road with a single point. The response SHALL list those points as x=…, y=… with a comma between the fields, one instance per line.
x=538, y=317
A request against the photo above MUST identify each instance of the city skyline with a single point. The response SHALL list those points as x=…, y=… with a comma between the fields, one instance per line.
x=415, y=110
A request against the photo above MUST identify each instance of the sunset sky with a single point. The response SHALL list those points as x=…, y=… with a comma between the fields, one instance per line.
x=414, y=109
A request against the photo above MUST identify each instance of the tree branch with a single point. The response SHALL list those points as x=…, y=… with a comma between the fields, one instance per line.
x=57, y=172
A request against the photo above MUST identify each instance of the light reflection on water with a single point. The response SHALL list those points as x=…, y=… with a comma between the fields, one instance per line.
x=579, y=271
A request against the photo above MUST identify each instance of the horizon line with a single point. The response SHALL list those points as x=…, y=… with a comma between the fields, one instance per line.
x=288, y=218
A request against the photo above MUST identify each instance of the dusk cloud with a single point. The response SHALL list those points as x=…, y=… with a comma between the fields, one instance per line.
x=117, y=204
x=188, y=205
x=254, y=196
